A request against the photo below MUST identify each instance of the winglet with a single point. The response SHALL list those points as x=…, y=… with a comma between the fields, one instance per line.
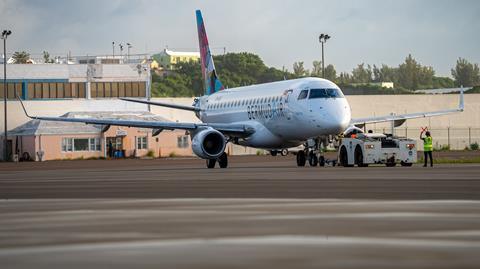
x=461, y=105
x=24, y=109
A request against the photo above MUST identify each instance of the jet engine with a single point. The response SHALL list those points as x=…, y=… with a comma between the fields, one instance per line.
x=209, y=144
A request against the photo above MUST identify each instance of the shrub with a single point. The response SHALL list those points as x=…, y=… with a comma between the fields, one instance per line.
x=474, y=146
x=172, y=154
x=151, y=154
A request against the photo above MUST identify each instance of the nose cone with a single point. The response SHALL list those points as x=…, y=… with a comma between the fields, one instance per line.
x=338, y=117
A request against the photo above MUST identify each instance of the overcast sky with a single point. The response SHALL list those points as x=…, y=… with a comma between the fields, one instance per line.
x=435, y=32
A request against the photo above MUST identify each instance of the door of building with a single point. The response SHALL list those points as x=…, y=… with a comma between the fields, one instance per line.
x=115, y=146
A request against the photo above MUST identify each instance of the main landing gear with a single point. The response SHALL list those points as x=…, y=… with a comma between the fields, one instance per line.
x=222, y=161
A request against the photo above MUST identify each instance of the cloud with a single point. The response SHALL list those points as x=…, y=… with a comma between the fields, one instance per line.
x=281, y=32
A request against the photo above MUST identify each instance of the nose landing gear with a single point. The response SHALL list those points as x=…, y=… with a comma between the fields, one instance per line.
x=314, y=153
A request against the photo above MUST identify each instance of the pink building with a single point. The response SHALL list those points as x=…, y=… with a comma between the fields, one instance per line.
x=44, y=140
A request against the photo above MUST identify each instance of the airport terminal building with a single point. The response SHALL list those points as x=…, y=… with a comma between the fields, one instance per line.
x=58, y=81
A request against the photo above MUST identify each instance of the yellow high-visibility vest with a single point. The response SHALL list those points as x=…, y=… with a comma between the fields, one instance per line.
x=427, y=143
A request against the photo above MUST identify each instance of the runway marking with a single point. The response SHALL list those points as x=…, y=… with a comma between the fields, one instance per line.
x=366, y=215
x=276, y=240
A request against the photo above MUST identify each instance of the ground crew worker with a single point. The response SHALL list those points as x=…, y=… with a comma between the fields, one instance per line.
x=427, y=146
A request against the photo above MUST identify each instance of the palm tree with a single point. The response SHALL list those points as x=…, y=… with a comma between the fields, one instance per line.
x=21, y=57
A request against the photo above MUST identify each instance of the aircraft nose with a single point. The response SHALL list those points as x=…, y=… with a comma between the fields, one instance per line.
x=338, y=119
x=338, y=122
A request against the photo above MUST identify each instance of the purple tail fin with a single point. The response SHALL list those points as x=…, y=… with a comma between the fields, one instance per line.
x=211, y=82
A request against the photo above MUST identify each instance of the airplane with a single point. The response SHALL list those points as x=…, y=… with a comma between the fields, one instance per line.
x=272, y=116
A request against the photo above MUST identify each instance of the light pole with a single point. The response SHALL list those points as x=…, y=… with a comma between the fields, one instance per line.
x=129, y=46
x=113, y=49
x=323, y=38
x=121, y=50
x=5, y=34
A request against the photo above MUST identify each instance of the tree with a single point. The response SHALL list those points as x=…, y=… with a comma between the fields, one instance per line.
x=234, y=70
x=361, y=74
x=46, y=58
x=344, y=78
x=21, y=57
x=317, y=69
x=330, y=73
x=413, y=76
x=298, y=69
x=466, y=73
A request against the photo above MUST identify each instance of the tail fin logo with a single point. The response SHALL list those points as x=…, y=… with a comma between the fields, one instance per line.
x=211, y=82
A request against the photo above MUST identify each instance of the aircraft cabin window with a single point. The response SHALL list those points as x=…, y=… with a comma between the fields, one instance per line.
x=325, y=93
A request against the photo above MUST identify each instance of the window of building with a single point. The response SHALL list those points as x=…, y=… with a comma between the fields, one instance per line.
x=82, y=93
x=114, y=89
x=67, y=90
x=128, y=89
x=134, y=89
x=121, y=89
x=182, y=141
x=12, y=88
x=142, y=142
x=60, y=90
x=52, y=88
x=100, y=89
x=142, y=89
x=108, y=89
x=94, y=144
x=81, y=144
x=67, y=144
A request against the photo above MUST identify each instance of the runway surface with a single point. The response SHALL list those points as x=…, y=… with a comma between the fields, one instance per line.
x=262, y=212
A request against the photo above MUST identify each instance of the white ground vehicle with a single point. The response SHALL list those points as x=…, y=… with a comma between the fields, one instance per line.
x=364, y=149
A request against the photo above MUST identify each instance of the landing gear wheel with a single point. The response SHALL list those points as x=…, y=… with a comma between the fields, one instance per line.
x=344, y=158
x=312, y=159
x=223, y=160
x=301, y=158
x=402, y=163
x=284, y=152
x=359, y=157
x=273, y=152
x=211, y=163
x=321, y=161
x=391, y=162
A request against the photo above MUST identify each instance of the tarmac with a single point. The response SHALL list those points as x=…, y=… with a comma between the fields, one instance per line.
x=261, y=212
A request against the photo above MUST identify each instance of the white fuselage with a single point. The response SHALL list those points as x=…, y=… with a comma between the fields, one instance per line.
x=280, y=119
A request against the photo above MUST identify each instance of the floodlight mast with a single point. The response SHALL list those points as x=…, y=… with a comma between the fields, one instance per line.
x=5, y=34
x=323, y=39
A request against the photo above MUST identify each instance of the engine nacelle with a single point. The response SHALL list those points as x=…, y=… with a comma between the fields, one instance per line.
x=209, y=144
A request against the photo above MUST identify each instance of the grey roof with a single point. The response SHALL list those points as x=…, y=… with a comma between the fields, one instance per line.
x=38, y=127
x=121, y=72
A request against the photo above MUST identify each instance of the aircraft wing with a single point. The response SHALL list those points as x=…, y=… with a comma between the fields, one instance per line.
x=400, y=119
x=237, y=130
x=190, y=108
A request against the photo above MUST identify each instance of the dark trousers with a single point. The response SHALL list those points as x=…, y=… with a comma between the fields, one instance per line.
x=425, y=156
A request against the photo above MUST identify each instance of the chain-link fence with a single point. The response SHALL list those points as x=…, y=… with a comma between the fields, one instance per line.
x=446, y=138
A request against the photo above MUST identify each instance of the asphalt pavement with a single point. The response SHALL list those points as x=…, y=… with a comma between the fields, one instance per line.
x=261, y=212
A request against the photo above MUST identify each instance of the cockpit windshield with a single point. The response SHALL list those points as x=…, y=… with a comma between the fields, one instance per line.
x=325, y=93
